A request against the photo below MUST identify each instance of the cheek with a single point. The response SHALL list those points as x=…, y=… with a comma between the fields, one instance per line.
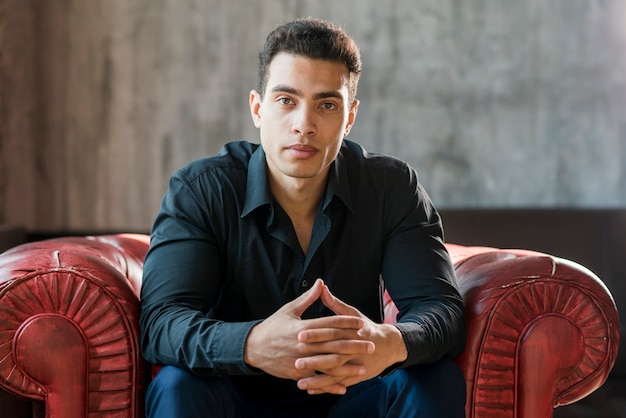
x=334, y=149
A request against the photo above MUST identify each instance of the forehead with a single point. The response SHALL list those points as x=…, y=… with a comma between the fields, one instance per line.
x=307, y=74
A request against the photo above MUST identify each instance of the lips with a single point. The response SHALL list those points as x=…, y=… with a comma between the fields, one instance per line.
x=301, y=151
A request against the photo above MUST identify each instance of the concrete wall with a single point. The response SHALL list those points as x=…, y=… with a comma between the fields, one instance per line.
x=498, y=104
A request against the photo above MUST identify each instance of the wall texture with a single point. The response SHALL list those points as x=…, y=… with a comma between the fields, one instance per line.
x=498, y=104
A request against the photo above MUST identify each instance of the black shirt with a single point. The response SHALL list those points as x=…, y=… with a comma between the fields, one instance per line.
x=224, y=256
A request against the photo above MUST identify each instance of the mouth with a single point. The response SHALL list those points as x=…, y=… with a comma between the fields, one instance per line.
x=301, y=151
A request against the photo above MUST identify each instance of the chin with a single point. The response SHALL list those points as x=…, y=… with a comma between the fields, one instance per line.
x=301, y=174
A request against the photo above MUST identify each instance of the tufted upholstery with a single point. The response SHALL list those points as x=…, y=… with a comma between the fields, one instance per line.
x=69, y=331
x=542, y=331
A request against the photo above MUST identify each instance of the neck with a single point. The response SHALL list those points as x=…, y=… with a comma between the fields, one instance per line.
x=299, y=197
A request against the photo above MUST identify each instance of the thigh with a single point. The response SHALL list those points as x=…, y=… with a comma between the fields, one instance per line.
x=431, y=390
x=177, y=393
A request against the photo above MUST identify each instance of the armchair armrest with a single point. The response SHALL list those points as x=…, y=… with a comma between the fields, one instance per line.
x=542, y=331
x=69, y=332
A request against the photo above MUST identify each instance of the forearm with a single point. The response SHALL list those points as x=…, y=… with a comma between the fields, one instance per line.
x=189, y=340
x=433, y=331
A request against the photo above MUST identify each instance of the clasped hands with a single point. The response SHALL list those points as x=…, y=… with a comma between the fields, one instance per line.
x=324, y=355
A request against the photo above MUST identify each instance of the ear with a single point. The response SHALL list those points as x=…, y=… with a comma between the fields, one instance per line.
x=255, y=108
x=351, y=117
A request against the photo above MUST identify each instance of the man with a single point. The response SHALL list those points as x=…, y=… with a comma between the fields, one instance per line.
x=262, y=287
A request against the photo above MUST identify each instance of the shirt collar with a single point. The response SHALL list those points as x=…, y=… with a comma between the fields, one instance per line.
x=257, y=186
x=258, y=191
x=339, y=182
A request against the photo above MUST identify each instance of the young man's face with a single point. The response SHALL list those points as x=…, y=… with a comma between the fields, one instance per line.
x=304, y=115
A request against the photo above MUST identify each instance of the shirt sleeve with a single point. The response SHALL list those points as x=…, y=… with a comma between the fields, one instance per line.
x=180, y=284
x=419, y=275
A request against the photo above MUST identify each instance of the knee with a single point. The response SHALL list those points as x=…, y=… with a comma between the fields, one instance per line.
x=175, y=393
x=171, y=388
x=444, y=375
x=173, y=379
x=436, y=389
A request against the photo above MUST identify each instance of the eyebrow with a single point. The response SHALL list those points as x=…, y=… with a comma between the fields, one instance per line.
x=321, y=95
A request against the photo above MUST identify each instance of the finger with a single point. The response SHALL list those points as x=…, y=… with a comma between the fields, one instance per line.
x=322, y=384
x=337, y=305
x=354, y=347
x=300, y=304
x=332, y=381
x=331, y=361
x=352, y=380
x=336, y=322
x=319, y=335
x=345, y=382
x=344, y=372
x=314, y=363
x=336, y=389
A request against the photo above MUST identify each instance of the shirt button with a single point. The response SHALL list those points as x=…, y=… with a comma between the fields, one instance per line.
x=305, y=283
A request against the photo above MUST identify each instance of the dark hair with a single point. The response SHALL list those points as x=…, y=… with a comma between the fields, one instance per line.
x=312, y=38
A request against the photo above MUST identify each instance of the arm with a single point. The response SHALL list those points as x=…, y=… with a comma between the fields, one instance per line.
x=180, y=285
x=418, y=272
x=420, y=278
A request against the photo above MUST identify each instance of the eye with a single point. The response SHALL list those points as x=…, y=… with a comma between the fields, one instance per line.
x=284, y=100
x=328, y=106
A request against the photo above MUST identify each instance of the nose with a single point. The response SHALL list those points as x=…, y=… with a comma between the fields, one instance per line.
x=304, y=122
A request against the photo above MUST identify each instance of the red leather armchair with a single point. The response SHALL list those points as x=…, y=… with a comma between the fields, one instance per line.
x=542, y=331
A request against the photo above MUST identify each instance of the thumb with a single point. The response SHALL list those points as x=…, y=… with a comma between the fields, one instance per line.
x=300, y=304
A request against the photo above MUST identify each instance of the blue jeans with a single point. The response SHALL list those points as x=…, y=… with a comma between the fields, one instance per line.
x=426, y=391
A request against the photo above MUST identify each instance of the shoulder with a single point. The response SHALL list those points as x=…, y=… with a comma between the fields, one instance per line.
x=389, y=183
x=233, y=158
x=382, y=166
